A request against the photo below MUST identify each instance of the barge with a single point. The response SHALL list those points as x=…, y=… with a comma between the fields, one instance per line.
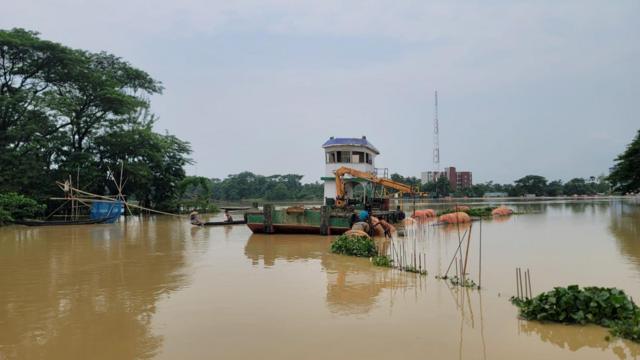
x=351, y=183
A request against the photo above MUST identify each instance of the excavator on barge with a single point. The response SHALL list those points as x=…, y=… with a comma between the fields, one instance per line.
x=337, y=216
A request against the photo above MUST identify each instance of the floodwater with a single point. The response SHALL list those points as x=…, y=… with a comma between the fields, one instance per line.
x=159, y=288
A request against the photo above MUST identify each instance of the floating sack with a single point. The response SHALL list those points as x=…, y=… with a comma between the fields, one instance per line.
x=427, y=213
x=461, y=208
x=356, y=233
x=501, y=211
x=456, y=217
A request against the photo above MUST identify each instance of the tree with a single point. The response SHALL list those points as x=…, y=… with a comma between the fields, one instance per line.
x=64, y=110
x=554, y=188
x=576, y=186
x=29, y=67
x=439, y=188
x=530, y=184
x=625, y=176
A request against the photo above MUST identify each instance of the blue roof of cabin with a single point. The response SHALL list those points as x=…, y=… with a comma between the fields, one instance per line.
x=350, y=141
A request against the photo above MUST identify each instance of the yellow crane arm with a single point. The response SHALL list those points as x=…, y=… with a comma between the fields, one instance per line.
x=340, y=192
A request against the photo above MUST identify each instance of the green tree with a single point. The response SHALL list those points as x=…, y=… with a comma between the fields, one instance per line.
x=14, y=207
x=64, y=110
x=576, y=186
x=439, y=188
x=554, y=188
x=530, y=184
x=625, y=176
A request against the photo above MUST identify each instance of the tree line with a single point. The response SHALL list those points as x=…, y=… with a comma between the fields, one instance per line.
x=624, y=178
x=249, y=186
x=73, y=113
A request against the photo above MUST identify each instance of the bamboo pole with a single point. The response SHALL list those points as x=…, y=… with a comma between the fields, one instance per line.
x=480, y=258
x=517, y=285
x=466, y=255
x=520, y=280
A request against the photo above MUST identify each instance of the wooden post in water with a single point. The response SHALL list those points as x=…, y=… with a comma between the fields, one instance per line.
x=517, y=285
x=466, y=254
x=480, y=258
x=325, y=215
x=520, y=281
x=267, y=212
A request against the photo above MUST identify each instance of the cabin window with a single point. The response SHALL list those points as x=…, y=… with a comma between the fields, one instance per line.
x=357, y=157
x=343, y=156
x=368, y=158
x=331, y=157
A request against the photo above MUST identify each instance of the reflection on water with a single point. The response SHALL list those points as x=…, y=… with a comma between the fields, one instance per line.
x=574, y=338
x=352, y=284
x=624, y=224
x=85, y=292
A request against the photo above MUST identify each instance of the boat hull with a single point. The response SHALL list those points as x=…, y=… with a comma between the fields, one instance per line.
x=223, y=223
x=297, y=220
x=33, y=222
x=296, y=229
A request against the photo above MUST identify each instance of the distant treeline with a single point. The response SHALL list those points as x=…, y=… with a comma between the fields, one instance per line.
x=196, y=191
x=528, y=185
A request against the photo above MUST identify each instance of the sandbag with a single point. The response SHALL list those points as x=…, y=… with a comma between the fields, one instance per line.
x=356, y=233
x=456, y=217
x=501, y=211
x=426, y=213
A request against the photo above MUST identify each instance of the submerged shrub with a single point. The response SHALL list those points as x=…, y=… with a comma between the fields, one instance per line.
x=354, y=245
x=609, y=307
x=382, y=260
x=14, y=207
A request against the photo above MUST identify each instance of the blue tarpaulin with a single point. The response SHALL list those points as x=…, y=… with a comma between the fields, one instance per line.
x=106, y=209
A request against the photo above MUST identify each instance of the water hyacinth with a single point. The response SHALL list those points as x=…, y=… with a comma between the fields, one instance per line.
x=608, y=307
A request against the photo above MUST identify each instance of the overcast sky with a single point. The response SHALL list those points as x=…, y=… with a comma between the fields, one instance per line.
x=539, y=87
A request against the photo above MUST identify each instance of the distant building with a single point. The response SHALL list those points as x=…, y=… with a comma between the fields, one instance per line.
x=457, y=179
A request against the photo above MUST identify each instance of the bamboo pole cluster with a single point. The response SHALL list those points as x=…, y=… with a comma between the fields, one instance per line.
x=407, y=258
x=460, y=260
x=523, y=290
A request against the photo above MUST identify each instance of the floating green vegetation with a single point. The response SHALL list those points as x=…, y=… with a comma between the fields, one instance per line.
x=463, y=282
x=608, y=307
x=354, y=246
x=475, y=212
x=413, y=269
x=382, y=260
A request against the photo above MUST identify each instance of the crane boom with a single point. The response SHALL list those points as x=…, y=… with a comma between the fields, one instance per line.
x=340, y=192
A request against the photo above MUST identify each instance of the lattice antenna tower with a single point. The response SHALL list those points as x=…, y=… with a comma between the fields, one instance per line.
x=436, y=136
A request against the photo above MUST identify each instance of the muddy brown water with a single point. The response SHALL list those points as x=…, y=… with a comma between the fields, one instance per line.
x=160, y=288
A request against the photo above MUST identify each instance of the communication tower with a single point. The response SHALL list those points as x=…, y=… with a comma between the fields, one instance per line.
x=436, y=137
